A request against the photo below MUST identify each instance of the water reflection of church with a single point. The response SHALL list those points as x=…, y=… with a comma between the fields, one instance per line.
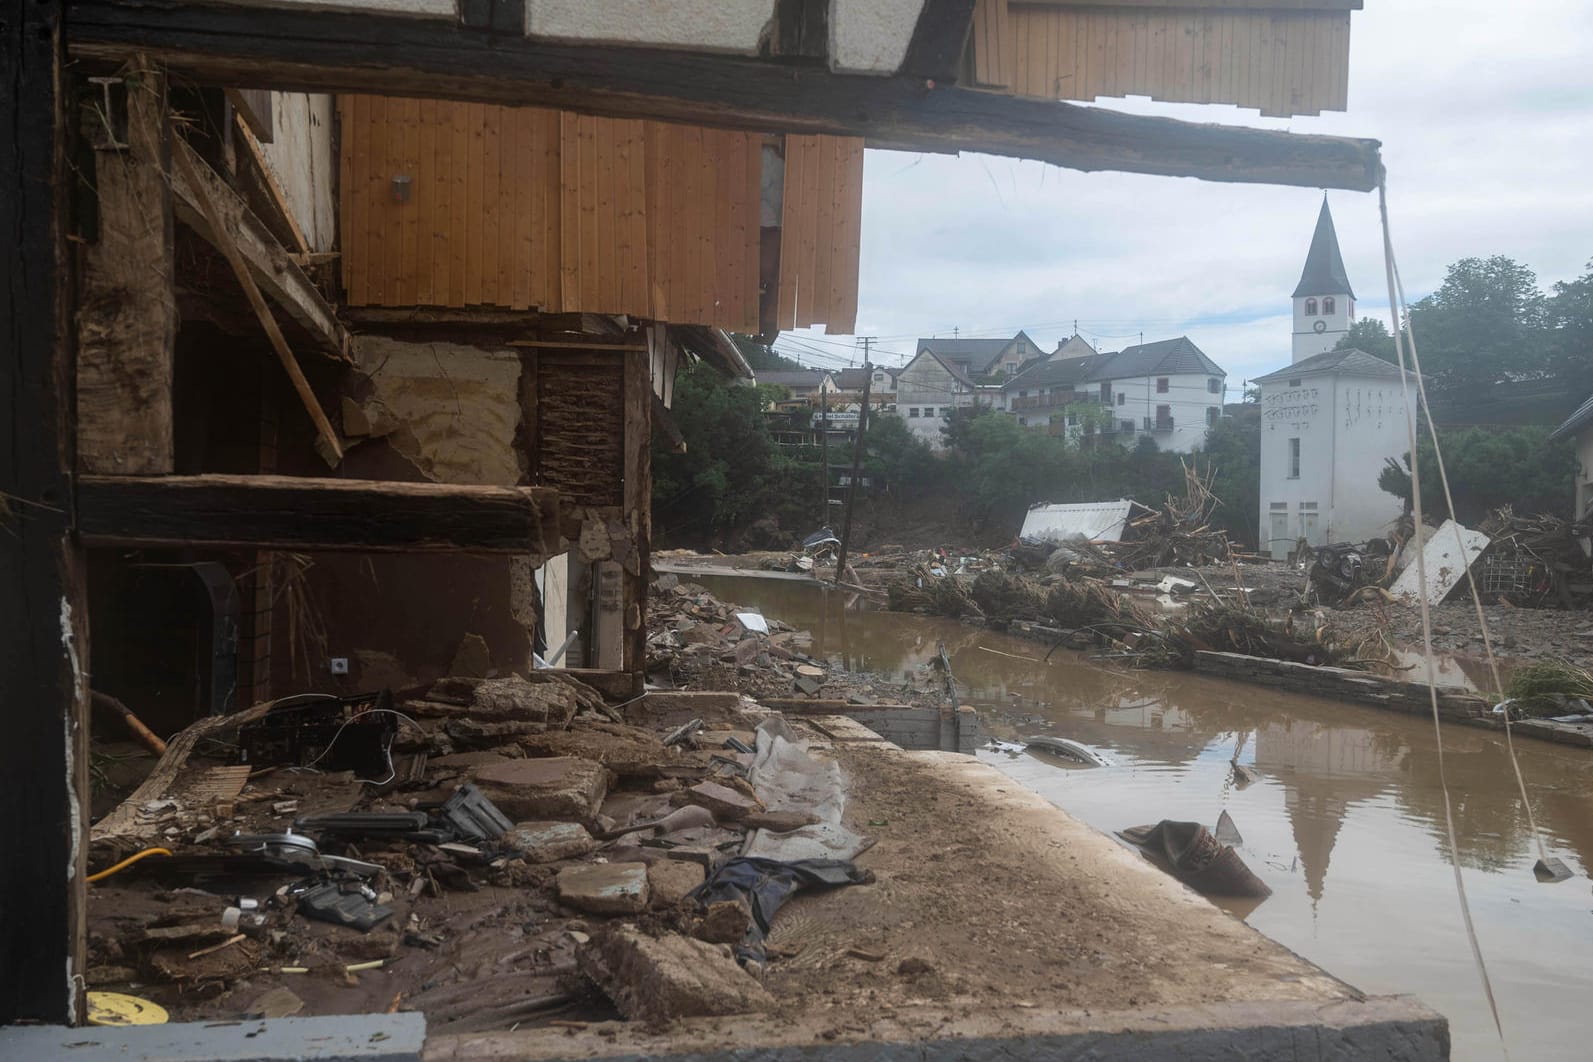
x=1324, y=771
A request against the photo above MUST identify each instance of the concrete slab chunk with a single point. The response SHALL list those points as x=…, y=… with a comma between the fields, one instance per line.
x=342, y=1038
x=671, y=879
x=659, y=979
x=726, y=803
x=552, y=703
x=605, y=888
x=548, y=842
x=562, y=788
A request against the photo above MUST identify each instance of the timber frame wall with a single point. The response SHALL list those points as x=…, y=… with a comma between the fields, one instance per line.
x=459, y=53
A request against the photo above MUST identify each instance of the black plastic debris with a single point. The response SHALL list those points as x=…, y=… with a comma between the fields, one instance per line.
x=331, y=902
x=333, y=733
x=764, y=885
x=471, y=816
x=1193, y=856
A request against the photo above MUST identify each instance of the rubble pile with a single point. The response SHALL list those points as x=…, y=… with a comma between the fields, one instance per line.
x=1535, y=561
x=528, y=852
x=696, y=641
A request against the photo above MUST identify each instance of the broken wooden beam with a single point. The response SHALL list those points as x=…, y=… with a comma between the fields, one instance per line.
x=303, y=513
x=271, y=266
x=222, y=235
x=127, y=308
x=321, y=51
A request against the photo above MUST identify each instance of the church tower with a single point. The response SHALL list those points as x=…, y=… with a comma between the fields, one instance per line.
x=1324, y=304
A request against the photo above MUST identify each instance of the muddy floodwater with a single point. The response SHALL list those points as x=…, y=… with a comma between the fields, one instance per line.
x=1346, y=821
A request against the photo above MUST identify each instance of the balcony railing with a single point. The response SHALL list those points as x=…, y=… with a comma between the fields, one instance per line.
x=1158, y=423
x=1042, y=402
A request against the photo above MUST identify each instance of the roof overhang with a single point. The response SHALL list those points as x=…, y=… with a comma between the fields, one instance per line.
x=886, y=92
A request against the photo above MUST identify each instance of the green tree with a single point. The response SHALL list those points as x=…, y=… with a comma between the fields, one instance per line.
x=1371, y=335
x=1233, y=452
x=1490, y=467
x=1570, y=319
x=1485, y=324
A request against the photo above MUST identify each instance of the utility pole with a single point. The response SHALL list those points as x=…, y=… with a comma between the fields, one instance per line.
x=857, y=460
x=824, y=449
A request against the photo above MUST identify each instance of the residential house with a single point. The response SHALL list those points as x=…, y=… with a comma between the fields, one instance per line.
x=1579, y=426
x=804, y=385
x=928, y=389
x=1330, y=421
x=1073, y=346
x=985, y=360
x=1168, y=391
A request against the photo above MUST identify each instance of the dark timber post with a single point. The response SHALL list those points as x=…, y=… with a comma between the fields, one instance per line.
x=43, y=631
x=857, y=465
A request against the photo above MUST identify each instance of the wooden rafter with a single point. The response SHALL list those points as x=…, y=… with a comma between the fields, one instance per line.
x=303, y=513
x=271, y=266
x=221, y=234
x=328, y=51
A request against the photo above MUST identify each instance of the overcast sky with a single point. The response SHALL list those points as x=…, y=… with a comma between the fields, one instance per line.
x=1485, y=111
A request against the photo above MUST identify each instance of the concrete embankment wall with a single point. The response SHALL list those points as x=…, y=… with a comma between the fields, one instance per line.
x=917, y=729
x=1455, y=705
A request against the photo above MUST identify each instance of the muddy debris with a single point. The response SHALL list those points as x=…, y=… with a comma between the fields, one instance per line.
x=520, y=850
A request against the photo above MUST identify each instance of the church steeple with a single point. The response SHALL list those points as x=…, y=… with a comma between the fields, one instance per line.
x=1324, y=302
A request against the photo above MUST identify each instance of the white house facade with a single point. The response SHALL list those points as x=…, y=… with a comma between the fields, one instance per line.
x=1329, y=424
x=927, y=390
x=1168, y=391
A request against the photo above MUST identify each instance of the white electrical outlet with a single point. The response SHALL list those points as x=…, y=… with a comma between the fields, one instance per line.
x=339, y=665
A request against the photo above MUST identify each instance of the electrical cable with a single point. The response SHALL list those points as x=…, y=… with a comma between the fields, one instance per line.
x=124, y=864
x=1401, y=335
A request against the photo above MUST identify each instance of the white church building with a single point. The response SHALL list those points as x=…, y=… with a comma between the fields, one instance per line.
x=1329, y=421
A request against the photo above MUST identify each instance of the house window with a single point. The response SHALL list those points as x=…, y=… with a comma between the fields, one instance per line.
x=1164, y=418
x=945, y=411
x=1161, y=385
x=1126, y=426
x=1214, y=385
x=1122, y=398
x=1310, y=307
x=1294, y=458
x=1212, y=413
x=1106, y=392
x=912, y=411
x=1294, y=382
x=1327, y=305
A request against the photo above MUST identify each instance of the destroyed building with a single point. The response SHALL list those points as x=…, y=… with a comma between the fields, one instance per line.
x=332, y=328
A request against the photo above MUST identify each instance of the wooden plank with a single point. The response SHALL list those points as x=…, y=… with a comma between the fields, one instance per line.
x=524, y=187
x=570, y=344
x=459, y=115
x=43, y=612
x=639, y=284
x=268, y=265
x=408, y=212
x=351, y=235
x=426, y=202
x=379, y=194
x=508, y=222
x=827, y=160
x=127, y=310
x=297, y=512
x=273, y=186
x=475, y=180
x=569, y=212
x=844, y=315
x=738, y=309
x=188, y=164
x=548, y=123
x=442, y=238
x=491, y=219
x=606, y=265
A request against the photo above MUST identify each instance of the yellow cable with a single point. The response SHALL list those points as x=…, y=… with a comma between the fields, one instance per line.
x=129, y=861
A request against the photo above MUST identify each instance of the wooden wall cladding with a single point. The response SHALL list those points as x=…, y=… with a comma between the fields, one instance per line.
x=1287, y=57
x=821, y=231
x=524, y=207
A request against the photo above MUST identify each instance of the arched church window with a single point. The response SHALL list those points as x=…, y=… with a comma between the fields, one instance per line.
x=1327, y=305
x=1310, y=307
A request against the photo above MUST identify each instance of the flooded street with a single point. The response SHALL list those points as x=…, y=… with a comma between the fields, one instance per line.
x=1346, y=822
